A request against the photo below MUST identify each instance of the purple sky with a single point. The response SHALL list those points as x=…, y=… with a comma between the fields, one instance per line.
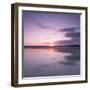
x=43, y=28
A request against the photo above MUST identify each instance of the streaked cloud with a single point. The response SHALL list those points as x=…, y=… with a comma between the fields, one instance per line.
x=44, y=26
x=73, y=33
x=70, y=29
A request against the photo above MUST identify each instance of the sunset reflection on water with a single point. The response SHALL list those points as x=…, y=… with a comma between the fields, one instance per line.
x=51, y=61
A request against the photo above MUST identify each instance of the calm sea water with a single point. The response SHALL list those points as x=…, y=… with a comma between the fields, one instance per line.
x=51, y=61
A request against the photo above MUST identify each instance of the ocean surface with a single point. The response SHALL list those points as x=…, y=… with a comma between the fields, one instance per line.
x=55, y=61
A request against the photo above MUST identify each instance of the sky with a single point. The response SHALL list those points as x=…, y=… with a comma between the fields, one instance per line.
x=51, y=29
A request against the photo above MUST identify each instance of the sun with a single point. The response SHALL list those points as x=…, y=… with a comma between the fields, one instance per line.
x=51, y=44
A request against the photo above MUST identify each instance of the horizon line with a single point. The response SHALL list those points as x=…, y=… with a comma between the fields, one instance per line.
x=48, y=45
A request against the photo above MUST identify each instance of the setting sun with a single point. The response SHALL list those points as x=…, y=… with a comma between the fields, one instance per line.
x=51, y=44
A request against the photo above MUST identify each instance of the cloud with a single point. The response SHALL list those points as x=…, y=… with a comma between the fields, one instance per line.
x=71, y=32
x=44, y=26
x=73, y=35
x=67, y=42
x=70, y=29
x=73, y=41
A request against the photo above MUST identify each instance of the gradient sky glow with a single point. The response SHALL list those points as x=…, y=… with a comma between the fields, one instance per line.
x=44, y=28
